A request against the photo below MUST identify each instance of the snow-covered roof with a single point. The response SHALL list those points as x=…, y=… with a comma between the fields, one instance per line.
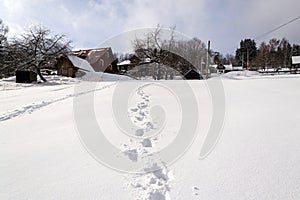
x=125, y=62
x=237, y=67
x=228, y=67
x=81, y=63
x=296, y=59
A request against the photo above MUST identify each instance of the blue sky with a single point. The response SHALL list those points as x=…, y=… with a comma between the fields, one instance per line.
x=89, y=23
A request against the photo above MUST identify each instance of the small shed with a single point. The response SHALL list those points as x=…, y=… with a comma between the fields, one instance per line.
x=193, y=75
x=25, y=76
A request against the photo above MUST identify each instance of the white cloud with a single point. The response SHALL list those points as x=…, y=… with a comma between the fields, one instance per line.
x=88, y=23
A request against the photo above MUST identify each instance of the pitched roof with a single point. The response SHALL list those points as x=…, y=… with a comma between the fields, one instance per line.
x=296, y=59
x=81, y=63
x=125, y=62
x=99, y=58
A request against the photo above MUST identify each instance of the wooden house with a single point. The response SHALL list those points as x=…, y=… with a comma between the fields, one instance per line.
x=71, y=66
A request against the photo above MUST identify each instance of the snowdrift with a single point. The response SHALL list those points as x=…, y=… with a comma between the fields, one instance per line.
x=100, y=76
x=241, y=75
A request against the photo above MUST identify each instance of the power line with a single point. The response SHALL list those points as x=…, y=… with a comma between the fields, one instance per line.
x=273, y=30
x=277, y=28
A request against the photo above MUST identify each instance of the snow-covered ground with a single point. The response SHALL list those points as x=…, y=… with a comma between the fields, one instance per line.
x=257, y=156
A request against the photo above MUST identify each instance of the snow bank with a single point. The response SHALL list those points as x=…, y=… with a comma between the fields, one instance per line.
x=100, y=76
x=241, y=74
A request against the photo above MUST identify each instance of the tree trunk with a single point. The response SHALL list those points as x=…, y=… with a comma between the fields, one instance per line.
x=38, y=70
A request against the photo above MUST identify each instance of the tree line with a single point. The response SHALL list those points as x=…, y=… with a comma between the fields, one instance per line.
x=276, y=54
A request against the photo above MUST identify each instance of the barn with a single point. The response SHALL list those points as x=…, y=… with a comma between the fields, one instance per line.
x=71, y=66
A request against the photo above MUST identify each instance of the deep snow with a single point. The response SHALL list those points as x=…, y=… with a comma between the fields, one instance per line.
x=256, y=157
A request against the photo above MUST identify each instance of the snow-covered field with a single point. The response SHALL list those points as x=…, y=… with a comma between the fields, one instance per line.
x=42, y=155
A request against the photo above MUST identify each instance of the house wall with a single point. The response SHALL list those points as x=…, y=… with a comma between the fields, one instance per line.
x=101, y=59
x=65, y=68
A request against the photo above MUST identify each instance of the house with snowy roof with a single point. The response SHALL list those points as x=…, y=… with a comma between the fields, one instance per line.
x=220, y=68
x=90, y=60
x=129, y=64
x=101, y=59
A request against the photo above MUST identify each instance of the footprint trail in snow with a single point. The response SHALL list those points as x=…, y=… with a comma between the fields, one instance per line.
x=154, y=184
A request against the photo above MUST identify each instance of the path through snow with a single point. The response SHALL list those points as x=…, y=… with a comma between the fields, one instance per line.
x=28, y=109
x=154, y=184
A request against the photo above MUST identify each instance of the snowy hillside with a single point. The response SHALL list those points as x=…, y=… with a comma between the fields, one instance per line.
x=43, y=154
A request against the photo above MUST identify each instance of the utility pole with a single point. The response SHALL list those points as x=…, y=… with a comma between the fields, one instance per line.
x=247, y=58
x=242, y=59
x=201, y=68
x=207, y=61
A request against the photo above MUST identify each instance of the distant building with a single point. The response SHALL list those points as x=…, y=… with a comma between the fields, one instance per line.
x=193, y=75
x=129, y=64
x=101, y=59
x=295, y=65
x=220, y=68
x=296, y=61
x=223, y=68
x=237, y=68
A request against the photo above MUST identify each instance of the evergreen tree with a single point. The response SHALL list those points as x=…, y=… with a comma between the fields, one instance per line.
x=246, y=53
x=296, y=50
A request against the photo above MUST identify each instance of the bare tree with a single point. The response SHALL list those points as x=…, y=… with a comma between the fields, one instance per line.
x=149, y=46
x=3, y=32
x=180, y=55
x=36, y=48
x=3, y=46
